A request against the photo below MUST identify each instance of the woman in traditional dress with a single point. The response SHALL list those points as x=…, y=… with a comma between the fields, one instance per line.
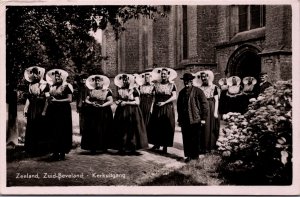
x=147, y=92
x=98, y=115
x=34, y=110
x=59, y=113
x=208, y=138
x=223, y=104
x=249, y=91
x=162, y=121
x=234, y=94
x=128, y=119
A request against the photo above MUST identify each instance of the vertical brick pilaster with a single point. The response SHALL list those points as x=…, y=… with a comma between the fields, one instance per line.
x=172, y=37
x=161, y=42
x=179, y=39
x=150, y=43
x=206, y=33
x=278, y=24
x=192, y=31
x=110, y=49
x=141, y=44
x=132, y=51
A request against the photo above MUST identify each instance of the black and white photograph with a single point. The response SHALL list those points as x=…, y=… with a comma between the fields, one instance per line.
x=167, y=99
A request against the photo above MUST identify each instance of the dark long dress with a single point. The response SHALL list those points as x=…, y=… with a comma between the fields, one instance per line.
x=210, y=135
x=36, y=135
x=162, y=122
x=59, y=119
x=98, y=122
x=223, y=104
x=129, y=123
x=249, y=91
x=235, y=99
x=147, y=96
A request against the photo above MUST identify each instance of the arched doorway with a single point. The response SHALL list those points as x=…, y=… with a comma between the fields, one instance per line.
x=244, y=62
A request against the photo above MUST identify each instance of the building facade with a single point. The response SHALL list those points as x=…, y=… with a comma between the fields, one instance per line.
x=241, y=40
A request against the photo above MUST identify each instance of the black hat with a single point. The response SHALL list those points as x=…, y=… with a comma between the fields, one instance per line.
x=187, y=77
x=263, y=73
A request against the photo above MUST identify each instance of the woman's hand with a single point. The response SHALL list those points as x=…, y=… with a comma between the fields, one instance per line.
x=161, y=104
x=98, y=105
x=94, y=104
x=123, y=103
x=52, y=99
x=216, y=115
x=43, y=113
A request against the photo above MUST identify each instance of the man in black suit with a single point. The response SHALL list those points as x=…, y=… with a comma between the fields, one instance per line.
x=192, y=107
x=264, y=84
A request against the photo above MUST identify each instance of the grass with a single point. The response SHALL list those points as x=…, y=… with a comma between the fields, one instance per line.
x=204, y=171
x=173, y=178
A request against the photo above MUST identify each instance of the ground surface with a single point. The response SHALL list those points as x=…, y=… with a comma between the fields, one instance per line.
x=82, y=169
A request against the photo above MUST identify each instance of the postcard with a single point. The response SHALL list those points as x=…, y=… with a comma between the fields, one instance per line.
x=150, y=98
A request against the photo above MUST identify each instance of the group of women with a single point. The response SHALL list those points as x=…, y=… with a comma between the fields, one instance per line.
x=48, y=103
x=144, y=114
x=234, y=90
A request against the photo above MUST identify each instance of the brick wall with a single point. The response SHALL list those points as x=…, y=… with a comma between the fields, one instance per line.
x=131, y=50
x=210, y=32
x=109, y=49
x=278, y=66
x=192, y=24
x=206, y=33
x=161, y=42
x=278, y=27
x=222, y=24
x=286, y=67
x=287, y=31
x=172, y=37
x=277, y=56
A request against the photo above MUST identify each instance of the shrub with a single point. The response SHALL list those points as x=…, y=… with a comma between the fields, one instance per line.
x=261, y=139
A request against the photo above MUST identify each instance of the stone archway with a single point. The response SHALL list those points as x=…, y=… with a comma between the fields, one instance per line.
x=244, y=61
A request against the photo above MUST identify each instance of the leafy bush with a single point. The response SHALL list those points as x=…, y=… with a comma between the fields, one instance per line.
x=261, y=139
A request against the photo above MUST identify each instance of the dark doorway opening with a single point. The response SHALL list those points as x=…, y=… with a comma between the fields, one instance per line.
x=249, y=64
x=244, y=62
